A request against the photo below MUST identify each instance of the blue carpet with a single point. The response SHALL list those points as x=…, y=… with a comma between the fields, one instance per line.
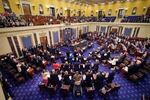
x=128, y=91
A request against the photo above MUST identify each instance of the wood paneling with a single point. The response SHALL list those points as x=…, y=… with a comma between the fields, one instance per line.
x=50, y=38
x=43, y=41
x=12, y=46
x=137, y=32
x=114, y=30
x=61, y=36
x=80, y=33
x=35, y=39
x=26, y=9
x=17, y=45
x=109, y=29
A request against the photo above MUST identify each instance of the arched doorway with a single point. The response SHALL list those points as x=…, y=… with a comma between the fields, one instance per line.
x=6, y=6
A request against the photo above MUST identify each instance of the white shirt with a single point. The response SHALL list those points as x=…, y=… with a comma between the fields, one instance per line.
x=84, y=77
x=59, y=77
x=103, y=90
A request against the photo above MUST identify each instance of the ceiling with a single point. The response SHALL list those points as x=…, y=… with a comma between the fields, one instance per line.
x=90, y=2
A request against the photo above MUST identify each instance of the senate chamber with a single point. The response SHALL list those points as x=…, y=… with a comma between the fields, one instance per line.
x=74, y=49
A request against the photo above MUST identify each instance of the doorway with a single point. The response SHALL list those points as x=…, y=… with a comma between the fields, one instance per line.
x=52, y=11
x=41, y=10
x=26, y=9
x=43, y=41
x=121, y=13
x=114, y=30
x=6, y=6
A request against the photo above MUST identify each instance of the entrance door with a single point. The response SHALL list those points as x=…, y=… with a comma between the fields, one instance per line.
x=6, y=6
x=26, y=9
x=121, y=13
x=52, y=11
x=114, y=30
x=44, y=41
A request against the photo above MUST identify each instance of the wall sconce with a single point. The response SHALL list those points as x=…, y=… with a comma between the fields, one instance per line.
x=18, y=4
x=33, y=7
x=126, y=9
x=56, y=10
x=65, y=9
x=47, y=7
x=116, y=10
x=144, y=9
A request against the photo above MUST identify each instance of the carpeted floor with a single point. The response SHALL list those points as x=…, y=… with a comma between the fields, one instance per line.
x=128, y=91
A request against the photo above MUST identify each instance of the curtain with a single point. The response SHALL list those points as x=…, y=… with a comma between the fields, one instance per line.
x=26, y=41
x=55, y=37
x=127, y=31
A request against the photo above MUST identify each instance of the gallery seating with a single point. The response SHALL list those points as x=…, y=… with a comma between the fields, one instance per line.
x=108, y=19
x=11, y=20
x=136, y=19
